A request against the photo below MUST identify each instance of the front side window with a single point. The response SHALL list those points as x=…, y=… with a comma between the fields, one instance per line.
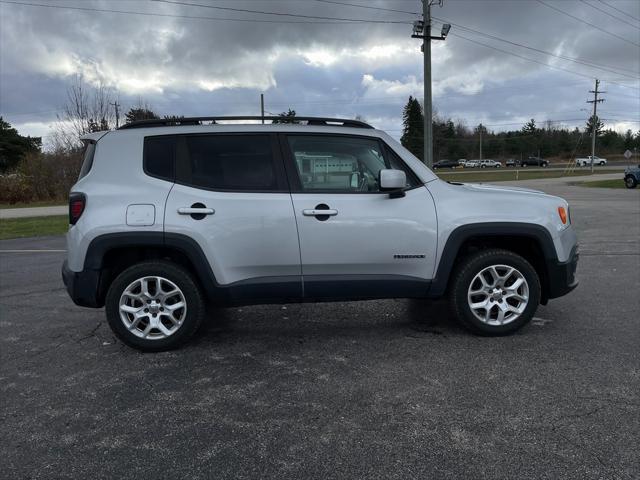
x=339, y=163
x=229, y=162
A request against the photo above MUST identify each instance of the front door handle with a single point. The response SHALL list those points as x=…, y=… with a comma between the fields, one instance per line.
x=322, y=212
x=312, y=212
x=191, y=211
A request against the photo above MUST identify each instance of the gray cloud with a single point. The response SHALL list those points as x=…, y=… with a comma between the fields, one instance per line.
x=197, y=66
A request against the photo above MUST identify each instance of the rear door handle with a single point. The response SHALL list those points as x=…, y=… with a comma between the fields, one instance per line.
x=312, y=212
x=191, y=211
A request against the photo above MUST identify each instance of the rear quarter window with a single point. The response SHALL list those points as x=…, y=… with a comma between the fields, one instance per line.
x=159, y=157
x=87, y=160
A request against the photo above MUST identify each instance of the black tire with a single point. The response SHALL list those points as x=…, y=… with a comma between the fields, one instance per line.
x=195, y=302
x=630, y=181
x=462, y=277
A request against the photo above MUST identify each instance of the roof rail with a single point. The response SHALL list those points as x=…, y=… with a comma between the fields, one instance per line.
x=175, y=121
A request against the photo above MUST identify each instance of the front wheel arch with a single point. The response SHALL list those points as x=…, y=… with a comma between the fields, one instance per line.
x=532, y=242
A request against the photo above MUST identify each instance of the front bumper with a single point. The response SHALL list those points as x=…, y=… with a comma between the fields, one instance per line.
x=562, y=275
x=83, y=287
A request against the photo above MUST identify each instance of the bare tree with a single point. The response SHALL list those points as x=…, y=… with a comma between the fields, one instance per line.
x=87, y=109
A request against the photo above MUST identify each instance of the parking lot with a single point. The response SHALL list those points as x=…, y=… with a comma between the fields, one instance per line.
x=381, y=389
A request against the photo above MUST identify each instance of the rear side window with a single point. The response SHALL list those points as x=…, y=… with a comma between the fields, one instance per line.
x=228, y=162
x=87, y=161
x=159, y=155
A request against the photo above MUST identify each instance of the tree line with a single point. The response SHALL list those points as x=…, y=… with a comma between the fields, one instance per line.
x=454, y=140
x=29, y=172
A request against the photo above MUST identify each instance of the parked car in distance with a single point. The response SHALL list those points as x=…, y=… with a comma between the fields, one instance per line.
x=632, y=176
x=488, y=163
x=446, y=164
x=534, y=161
x=170, y=216
x=471, y=163
x=511, y=163
x=583, y=162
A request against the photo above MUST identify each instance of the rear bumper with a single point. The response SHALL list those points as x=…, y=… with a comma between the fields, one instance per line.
x=82, y=286
x=562, y=275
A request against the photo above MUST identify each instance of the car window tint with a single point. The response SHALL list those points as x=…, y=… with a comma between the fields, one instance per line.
x=159, y=154
x=87, y=160
x=338, y=163
x=231, y=162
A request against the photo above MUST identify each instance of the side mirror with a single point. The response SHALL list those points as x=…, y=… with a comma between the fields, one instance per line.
x=394, y=181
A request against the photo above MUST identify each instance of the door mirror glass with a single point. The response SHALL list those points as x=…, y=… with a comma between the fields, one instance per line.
x=390, y=179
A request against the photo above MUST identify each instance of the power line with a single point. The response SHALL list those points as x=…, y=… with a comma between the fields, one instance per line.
x=610, y=14
x=189, y=17
x=588, y=23
x=368, y=7
x=621, y=11
x=532, y=60
x=279, y=14
x=587, y=63
x=519, y=56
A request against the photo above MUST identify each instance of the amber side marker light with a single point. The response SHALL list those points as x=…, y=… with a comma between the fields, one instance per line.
x=563, y=215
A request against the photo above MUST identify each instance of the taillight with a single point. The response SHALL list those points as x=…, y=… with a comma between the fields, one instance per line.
x=77, y=202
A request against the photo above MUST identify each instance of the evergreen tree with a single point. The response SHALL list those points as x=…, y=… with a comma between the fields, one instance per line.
x=589, y=126
x=286, y=117
x=413, y=128
x=140, y=113
x=13, y=146
x=530, y=127
x=628, y=140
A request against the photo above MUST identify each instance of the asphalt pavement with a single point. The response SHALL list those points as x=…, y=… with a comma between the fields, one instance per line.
x=380, y=389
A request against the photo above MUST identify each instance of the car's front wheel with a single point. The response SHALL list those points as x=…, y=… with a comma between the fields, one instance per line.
x=630, y=181
x=154, y=306
x=494, y=292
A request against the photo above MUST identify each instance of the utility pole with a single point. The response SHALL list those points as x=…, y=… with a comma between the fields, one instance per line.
x=594, y=121
x=116, y=105
x=422, y=29
x=262, y=106
x=480, y=142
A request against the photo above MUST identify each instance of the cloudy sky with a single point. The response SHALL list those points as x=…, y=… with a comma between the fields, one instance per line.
x=199, y=57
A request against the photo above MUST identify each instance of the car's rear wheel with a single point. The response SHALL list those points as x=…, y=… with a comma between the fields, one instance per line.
x=154, y=306
x=630, y=181
x=494, y=292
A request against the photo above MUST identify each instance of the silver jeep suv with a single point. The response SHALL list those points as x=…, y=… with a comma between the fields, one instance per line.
x=169, y=215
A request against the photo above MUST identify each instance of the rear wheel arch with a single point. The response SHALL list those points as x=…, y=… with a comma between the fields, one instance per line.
x=532, y=242
x=111, y=254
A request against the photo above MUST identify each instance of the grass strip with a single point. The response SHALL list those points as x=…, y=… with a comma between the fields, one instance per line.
x=33, y=226
x=509, y=175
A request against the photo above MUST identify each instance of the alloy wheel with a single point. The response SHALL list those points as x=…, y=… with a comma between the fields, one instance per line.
x=152, y=308
x=498, y=295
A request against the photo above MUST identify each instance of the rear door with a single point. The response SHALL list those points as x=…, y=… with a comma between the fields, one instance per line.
x=231, y=196
x=367, y=244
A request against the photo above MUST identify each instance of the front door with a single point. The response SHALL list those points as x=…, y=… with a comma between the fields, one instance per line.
x=355, y=240
x=231, y=196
